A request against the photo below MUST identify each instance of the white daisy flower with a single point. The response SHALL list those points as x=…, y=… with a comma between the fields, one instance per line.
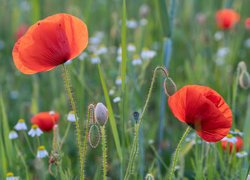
x=119, y=51
x=118, y=81
x=41, y=152
x=68, y=62
x=71, y=117
x=21, y=125
x=136, y=61
x=132, y=24
x=147, y=54
x=95, y=59
x=230, y=139
x=111, y=92
x=13, y=135
x=101, y=50
x=116, y=99
x=222, y=52
x=119, y=58
x=35, y=131
x=236, y=132
x=83, y=56
x=241, y=154
x=143, y=22
x=131, y=47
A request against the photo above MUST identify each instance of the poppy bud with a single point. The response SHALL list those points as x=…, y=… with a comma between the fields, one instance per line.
x=94, y=136
x=169, y=86
x=244, y=80
x=242, y=66
x=101, y=114
x=149, y=177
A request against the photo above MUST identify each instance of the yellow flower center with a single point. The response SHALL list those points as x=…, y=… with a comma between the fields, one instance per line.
x=34, y=126
x=21, y=120
x=136, y=56
x=229, y=136
x=237, y=130
x=9, y=174
x=41, y=148
x=71, y=112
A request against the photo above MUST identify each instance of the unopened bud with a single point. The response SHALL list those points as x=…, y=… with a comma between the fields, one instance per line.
x=169, y=86
x=242, y=66
x=244, y=80
x=101, y=114
x=94, y=136
x=149, y=177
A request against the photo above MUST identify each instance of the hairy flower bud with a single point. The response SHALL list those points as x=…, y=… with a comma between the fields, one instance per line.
x=242, y=66
x=101, y=114
x=244, y=80
x=149, y=177
x=169, y=86
x=94, y=136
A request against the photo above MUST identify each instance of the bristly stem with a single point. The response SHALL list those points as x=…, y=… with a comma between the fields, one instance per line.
x=134, y=149
x=68, y=88
x=176, y=154
x=104, y=153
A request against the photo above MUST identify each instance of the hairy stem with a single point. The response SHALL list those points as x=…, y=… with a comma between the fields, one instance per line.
x=104, y=153
x=134, y=149
x=68, y=88
x=176, y=154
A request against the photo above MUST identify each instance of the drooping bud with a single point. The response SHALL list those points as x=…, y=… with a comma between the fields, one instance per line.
x=101, y=114
x=149, y=177
x=169, y=86
x=244, y=80
x=242, y=66
x=94, y=136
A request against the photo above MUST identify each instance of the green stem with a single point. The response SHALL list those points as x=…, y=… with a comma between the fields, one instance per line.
x=74, y=108
x=104, y=153
x=28, y=142
x=176, y=154
x=65, y=136
x=134, y=149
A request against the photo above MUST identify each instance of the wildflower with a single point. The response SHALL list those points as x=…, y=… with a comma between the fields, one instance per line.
x=118, y=81
x=144, y=10
x=143, y=22
x=136, y=61
x=21, y=31
x=95, y=59
x=247, y=23
x=41, y=152
x=132, y=24
x=101, y=50
x=204, y=110
x=119, y=58
x=131, y=47
x=147, y=54
x=231, y=141
x=83, y=56
x=49, y=43
x=116, y=99
x=244, y=80
x=241, y=154
x=218, y=35
x=13, y=135
x=10, y=176
x=35, y=131
x=236, y=132
x=96, y=39
x=21, y=125
x=101, y=114
x=112, y=92
x=45, y=120
x=227, y=18
x=71, y=117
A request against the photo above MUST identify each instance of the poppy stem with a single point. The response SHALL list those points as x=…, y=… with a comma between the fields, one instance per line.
x=68, y=88
x=134, y=150
x=176, y=154
x=104, y=152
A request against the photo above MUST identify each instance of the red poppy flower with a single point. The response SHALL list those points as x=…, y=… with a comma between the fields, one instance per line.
x=46, y=120
x=227, y=18
x=231, y=141
x=204, y=110
x=21, y=31
x=247, y=23
x=49, y=43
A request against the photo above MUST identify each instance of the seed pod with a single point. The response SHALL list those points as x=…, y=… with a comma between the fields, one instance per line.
x=244, y=80
x=169, y=86
x=149, y=177
x=94, y=136
x=101, y=114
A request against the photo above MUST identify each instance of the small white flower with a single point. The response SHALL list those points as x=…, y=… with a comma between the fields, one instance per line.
x=132, y=24
x=41, y=152
x=241, y=154
x=143, y=22
x=119, y=58
x=118, y=81
x=71, y=117
x=10, y=176
x=119, y=51
x=13, y=135
x=131, y=48
x=116, y=99
x=95, y=59
x=218, y=35
x=236, y=132
x=83, y=56
x=222, y=52
x=35, y=131
x=230, y=139
x=148, y=54
x=101, y=50
x=20, y=125
x=68, y=62
x=137, y=60
x=111, y=92
x=247, y=43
